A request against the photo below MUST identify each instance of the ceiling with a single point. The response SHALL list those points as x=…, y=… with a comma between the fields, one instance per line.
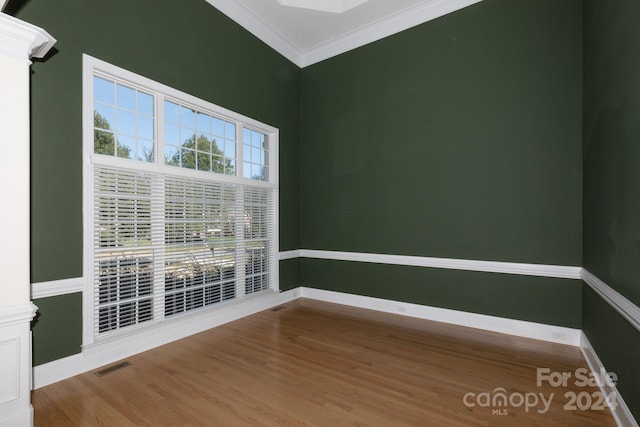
x=310, y=31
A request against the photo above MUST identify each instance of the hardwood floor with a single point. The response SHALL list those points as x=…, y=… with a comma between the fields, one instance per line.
x=320, y=364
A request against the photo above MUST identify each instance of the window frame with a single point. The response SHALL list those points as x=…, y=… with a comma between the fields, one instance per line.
x=95, y=67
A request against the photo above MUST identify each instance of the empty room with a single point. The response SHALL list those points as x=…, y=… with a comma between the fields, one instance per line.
x=320, y=212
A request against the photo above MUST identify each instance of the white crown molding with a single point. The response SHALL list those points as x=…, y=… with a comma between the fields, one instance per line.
x=56, y=287
x=256, y=26
x=21, y=40
x=419, y=14
x=622, y=305
x=620, y=410
x=557, y=271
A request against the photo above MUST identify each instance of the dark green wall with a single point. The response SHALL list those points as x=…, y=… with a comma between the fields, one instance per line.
x=187, y=45
x=460, y=138
x=57, y=328
x=612, y=181
x=486, y=293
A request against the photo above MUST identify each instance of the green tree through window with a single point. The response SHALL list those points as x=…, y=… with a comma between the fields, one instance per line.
x=106, y=142
x=201, y=154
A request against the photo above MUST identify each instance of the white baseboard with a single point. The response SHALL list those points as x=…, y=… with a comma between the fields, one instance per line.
x=620, y=410
x=521, y=328
x=116, y=349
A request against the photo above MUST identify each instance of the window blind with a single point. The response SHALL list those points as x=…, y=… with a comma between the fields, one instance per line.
x=168, y=244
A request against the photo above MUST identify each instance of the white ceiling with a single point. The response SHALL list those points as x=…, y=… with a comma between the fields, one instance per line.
x=306, y=36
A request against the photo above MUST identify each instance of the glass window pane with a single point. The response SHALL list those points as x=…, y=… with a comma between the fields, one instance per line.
x=246, y=170
x=217, y=163
x=215, y=147
x=126, y=123
x=171, y=134
x=188, y=138
x=230, y=168
x=255, y=155
x=145, y=151
x=246, y=153
x=188, y=158
x=256, y=171
x=171, y=112
x=171, y=155
x=126, y=146
x=203, y=144
x=230, y=149
x=103, y=116
x=246, y=136
x=187, y=117
x=256, y=139
x=145, y=104
x=204, y=123
x=229, y=130
x=103, y=143
x=204, y=161
x=145, y=127
x=218, y=127
x=103, y=91
x=126, y=97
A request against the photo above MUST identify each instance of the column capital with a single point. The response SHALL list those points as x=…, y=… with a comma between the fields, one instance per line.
x=21, y=40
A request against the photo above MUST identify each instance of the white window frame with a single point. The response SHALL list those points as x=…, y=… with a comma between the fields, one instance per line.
x=93, y=66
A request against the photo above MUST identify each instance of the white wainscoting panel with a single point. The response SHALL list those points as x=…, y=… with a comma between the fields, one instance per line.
x=15, y=365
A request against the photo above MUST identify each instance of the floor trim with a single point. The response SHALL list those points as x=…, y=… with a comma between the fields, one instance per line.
x=520, y=328
x=621, y=412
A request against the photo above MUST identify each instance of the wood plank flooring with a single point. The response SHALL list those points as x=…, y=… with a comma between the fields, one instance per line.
x=319, y=364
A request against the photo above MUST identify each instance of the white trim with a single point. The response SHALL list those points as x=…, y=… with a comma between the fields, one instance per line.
x=408, y=18
x=17, y=314
x=21, y=40
x=57, y=287
x=405, y=19
x=256, y=26
x=557, y=271
x=15, y=364
x=620, y=411
x=331, y=6
x=622, y=305
x=520, y=328
x=285, y=255
x=107, y=352
x=73, y=285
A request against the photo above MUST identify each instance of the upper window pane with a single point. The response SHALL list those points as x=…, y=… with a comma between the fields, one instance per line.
x=123, y=120
x=255, y=164
x=197, y=140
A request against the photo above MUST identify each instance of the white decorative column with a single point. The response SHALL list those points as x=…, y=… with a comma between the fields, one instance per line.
x=19, y=41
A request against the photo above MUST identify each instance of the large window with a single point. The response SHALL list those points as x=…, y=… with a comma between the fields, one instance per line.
x=181, y=202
